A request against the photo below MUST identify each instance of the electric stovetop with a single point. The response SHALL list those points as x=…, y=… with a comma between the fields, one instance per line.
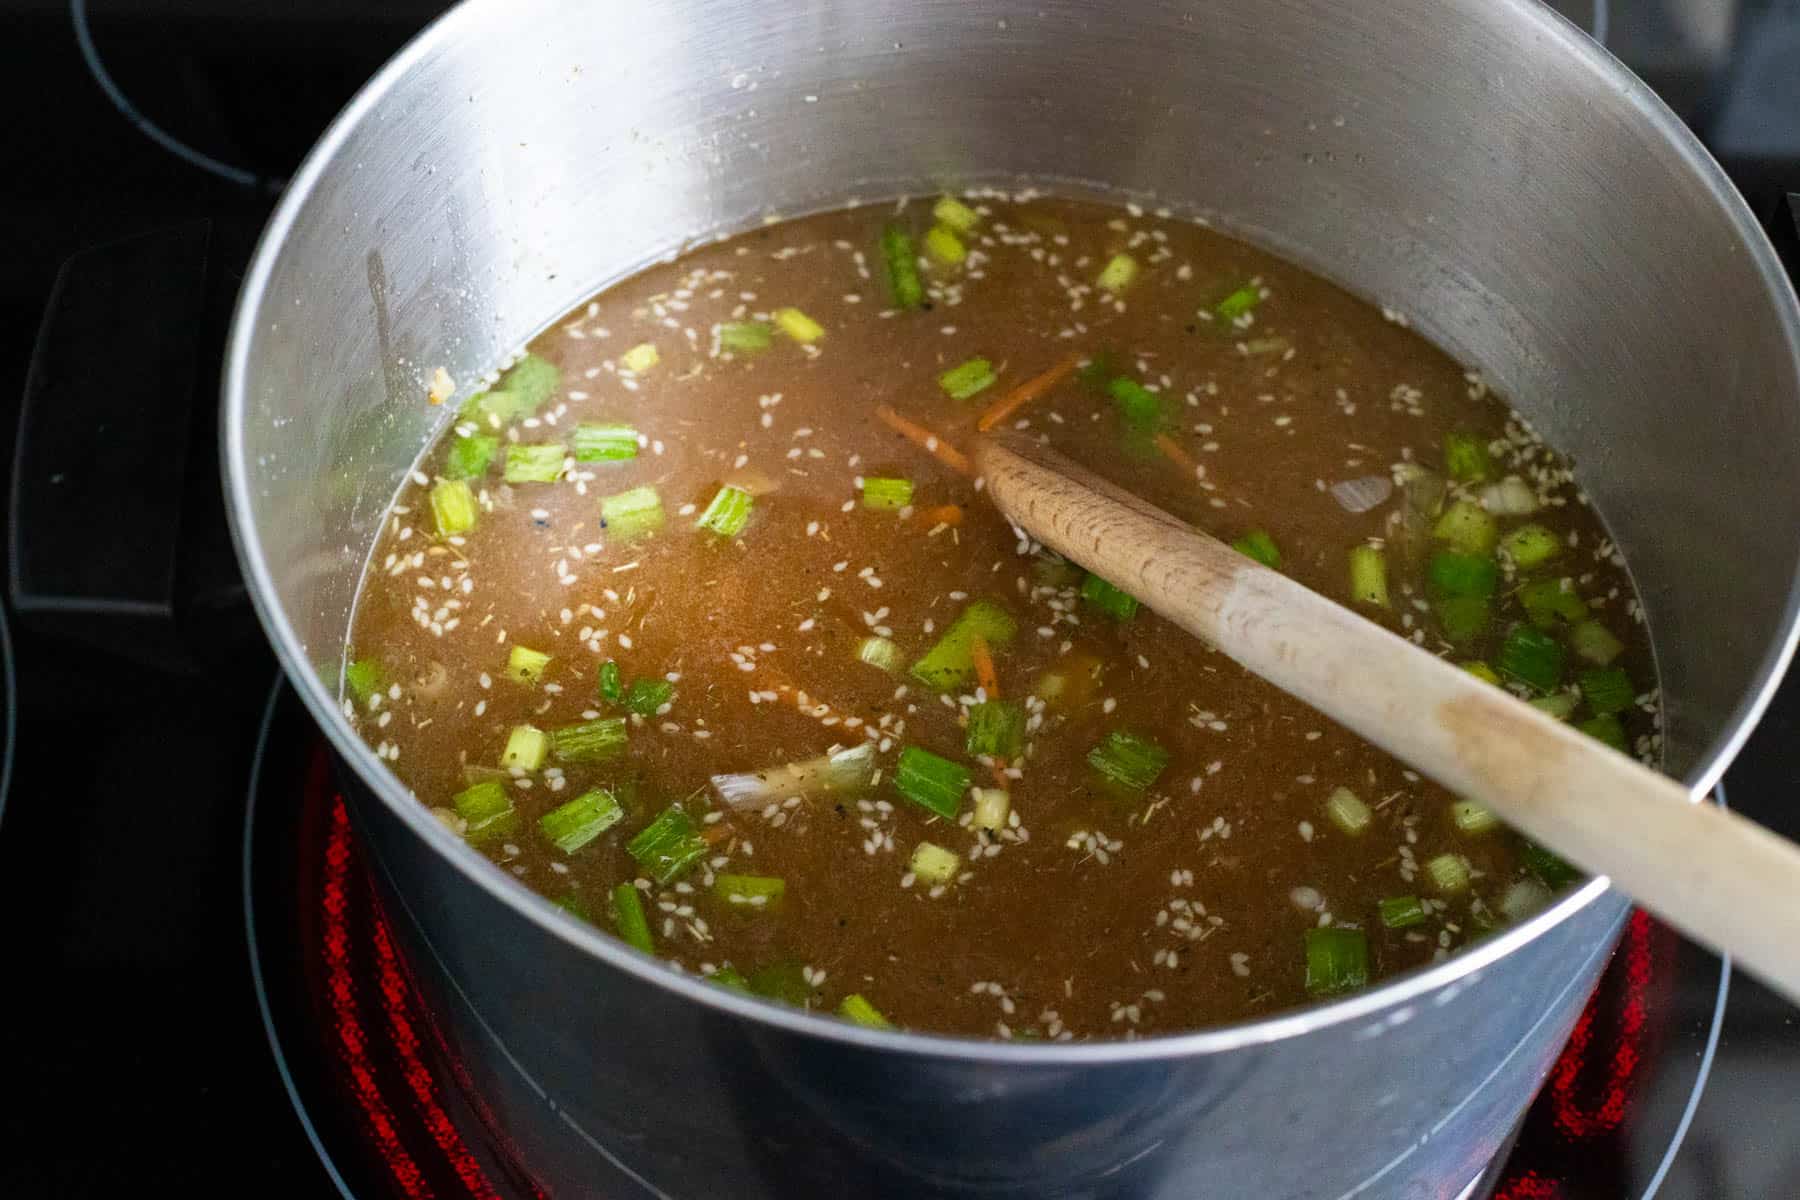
x=200, y=994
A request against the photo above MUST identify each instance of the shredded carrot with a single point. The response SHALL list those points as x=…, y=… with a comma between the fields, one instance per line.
x=926, y=440
x=949, y=514
x=1177, y=455
x=1026, y=392
x=984, y=667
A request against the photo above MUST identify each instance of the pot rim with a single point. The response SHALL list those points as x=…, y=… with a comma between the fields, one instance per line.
x=1447, y=978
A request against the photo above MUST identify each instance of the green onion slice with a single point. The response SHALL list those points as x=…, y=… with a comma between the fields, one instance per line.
x=573, y=825
x=604, y=443
x=933, y=783
x=1337, y=961
x=728, y=513
x=1128, y=759
x=628, y=917
x=668, y=846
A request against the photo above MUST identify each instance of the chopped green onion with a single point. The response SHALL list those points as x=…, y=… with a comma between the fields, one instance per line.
x=1606, y=729
x=933, y=783
x=1607, y=690
x=1557, y=704
x=1462, y=618
x=1547, y=866
x=728, y=513
x=886, y=495
x=575, y=906
x=954, y=213
x=951, y=660
x=798, y=325
x=1337, y=961
x=604, y=443
x=484, y=808
x=628, y=917
x=729, y=977
x=590, y=741
x=645, y=696
x=640, y=358
x=1530, y=546
x=521, y=391
x=902, y=268
x=991, y=808
x=1117, y=604
x=744, y=337
x=540, y=463
x=525, y=665
x=1402, y=912
x=1448, y=872
x=854, y=1008
x=1259, y=545
x=494, y=409
x=526, y=747
x=667, y=846
x=933, y=863
x=571, y=826
x=1138, y=405
x=879, y=652
x=1347, y=811
x=1523, y=898
x=532, y=379
x=1238, y=303
x=1467, y=527
x=1128, y=760
x=967, y=379
x=1547, y=600
x=784, y=981
x=1531, y=656
x=942, y=244
x=1120, y=271
x=752, y=891
x=612, y=681
x=1452, y=574
x=847, y=770
x=996, y=727
x=632, y=513
x=470, y=457
x=453, y=507
x=1465, y=457
x=1471, y=818
x=1368, y=576
x=1594, y=642
x=364, y=677
x=1482, y=671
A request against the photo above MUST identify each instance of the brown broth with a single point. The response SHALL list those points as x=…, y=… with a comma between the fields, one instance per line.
x=1094, y=913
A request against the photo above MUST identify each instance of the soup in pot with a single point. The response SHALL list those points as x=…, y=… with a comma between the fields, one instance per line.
x=698, y=623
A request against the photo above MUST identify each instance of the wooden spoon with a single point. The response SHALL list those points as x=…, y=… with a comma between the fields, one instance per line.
x=1712, y=874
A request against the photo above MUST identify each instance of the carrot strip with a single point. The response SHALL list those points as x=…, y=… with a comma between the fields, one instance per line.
x=949, y=514
x=1177, y=455
x=926, y=440
x=1026, y=392
x=984, y=667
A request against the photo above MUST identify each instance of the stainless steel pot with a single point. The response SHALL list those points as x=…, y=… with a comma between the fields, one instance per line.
x=1477, y=163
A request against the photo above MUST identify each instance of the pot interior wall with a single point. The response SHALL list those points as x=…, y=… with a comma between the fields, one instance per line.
x=1469, y=162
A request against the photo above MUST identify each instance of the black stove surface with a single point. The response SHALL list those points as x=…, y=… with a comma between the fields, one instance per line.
x=136, y=1044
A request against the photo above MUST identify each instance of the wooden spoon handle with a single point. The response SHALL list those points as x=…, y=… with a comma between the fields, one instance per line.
x=1714, y=875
